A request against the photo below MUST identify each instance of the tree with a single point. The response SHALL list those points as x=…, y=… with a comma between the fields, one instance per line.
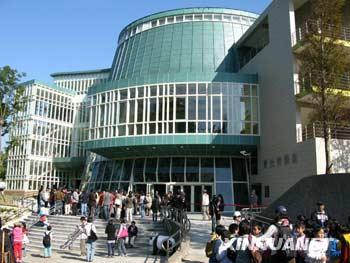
x=323, y=62
x=11, y=97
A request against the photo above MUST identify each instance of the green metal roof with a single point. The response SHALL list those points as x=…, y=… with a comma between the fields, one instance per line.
x=170, y=145
x=81, y=72
x=174, y=78
x=194, y=10
x=50, y=86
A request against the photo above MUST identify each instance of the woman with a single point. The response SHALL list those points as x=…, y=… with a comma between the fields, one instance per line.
x=219, y=208
x=121, y=236
x=110, y=231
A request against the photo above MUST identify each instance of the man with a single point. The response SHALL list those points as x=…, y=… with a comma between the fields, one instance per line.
x=75, y=200
x=59, y=201
x=205, y=205
x=253, y=199
x=237, y=217
x=159, y=243
x=320, y=217
x=84, y=199
x=92, y=204
x=106, y=203
x=83, y=236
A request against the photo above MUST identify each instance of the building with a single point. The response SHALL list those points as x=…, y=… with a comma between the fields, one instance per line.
x=197, y=98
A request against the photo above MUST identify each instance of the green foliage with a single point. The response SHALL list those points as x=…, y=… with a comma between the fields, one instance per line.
x=323, y=62
x=11, y=97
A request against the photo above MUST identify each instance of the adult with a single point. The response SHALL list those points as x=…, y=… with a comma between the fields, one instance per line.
x=59, y=197
x=320, y=217
x=92, y=204
x=38, y=198
x=205, y=205
x=118, y=202
x=110, y=231
x=52, y=200
x=75, y=201
x=253, y=199
x=106, y=204
x=148, y=204
x=83, y=235
x=155, y=207
x=237, y=217
x=91, y=240
x=219, y=208
x=143, y=202
x=84, y=199
x=129, y=203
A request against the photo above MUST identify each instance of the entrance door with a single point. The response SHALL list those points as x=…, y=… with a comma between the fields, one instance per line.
x=138, y=188
x=188, y=197
x=198, y=192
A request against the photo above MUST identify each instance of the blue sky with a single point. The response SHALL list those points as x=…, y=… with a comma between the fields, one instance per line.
x=39, y=37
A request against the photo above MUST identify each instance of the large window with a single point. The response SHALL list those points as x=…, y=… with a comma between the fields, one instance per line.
x=214, y=108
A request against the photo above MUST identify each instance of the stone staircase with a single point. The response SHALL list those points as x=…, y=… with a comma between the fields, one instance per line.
x=62, y=226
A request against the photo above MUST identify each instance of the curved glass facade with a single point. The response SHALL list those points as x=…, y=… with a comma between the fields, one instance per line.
x=194, y=108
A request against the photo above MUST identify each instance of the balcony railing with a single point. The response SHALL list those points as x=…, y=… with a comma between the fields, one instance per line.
x=312, y=26
x=343, y=84
x=315, y=130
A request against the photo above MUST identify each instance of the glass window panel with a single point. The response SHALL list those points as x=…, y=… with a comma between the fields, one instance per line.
x=170, y=19
x=208, y=17
x=192, y=169
x=246, y=113
x=131, y=129
x=202, y=88
x=246, y=90
x=132, y=93
x=240, y=192
x=171, y=127
x=139, y=129
x=152, y=109
x=192, y=88
x=160, y=90
x=224, y=127
x=180, y=89
x=202, y=106
x=180, y=127
x=192, y=101
x=153, y=91
x=255, y=109
x=132, y=111
x=124, y=186
x=189, y=17
x=217, y=17
x=246, y=128
x=100, y=174
x=202, y=128
x=255, y=128
x=179, y=18
x=140, y=110
x=215, y=88
x=171, y=89
x=223, y=169
x=123, y=94
x=140, y=92
x=180, y=108
x=154, y=23
x=171, y=108
x=216, y=127
x=216, y=108
x=198, y=17
x=239, y=172
x=152, y=128
x=164, y=170
x=138, y=170
x=254, y=90
x=160, y=128
x=121, y=130
x=127, y=170
x=122, y=112
x=160, y=109
x=151, y=169
x=162, y=21
x=191, y=127
x=178, y=169
x=108, y=171
x=207, y=170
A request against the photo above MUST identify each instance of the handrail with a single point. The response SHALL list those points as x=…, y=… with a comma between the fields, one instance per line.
x=315, y=129
x=71, y=238
x=180, y=219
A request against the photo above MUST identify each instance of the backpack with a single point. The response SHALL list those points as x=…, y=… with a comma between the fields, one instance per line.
x=231, y=254
x=334, y=252
x=285, y=233
x=145, y=201
x=47, y=239
x=209, y=248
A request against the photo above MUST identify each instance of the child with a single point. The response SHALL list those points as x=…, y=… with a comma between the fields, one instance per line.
x=300, y=246
x=122, y=234
x=110, y=231
x=47, y=242
x=233, y=229
x=132, y=231
x=17, y=235
x=25, y=239
x=317, y=248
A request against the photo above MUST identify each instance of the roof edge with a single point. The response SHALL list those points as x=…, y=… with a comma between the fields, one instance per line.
x=80, y=72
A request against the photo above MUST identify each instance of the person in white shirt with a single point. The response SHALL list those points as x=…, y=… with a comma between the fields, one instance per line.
x=159, y=243
x=205, y=205
x=317, y=252
x=90, y=243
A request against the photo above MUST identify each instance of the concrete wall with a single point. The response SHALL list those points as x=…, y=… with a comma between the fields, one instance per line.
x=301, y=199
x=275, y=67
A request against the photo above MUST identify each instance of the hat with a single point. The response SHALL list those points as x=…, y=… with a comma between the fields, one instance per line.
x=237, y=214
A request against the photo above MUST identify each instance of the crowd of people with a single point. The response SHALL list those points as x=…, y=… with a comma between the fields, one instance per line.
x=317, y=239
x=107, y=204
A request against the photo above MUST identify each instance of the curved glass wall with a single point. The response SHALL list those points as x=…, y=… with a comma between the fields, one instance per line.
x=181, y=108
x=119, y=174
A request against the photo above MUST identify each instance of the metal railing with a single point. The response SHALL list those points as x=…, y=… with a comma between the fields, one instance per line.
x=336, y=131
x=20, y=206
x=313, y=27
x=178, y=218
